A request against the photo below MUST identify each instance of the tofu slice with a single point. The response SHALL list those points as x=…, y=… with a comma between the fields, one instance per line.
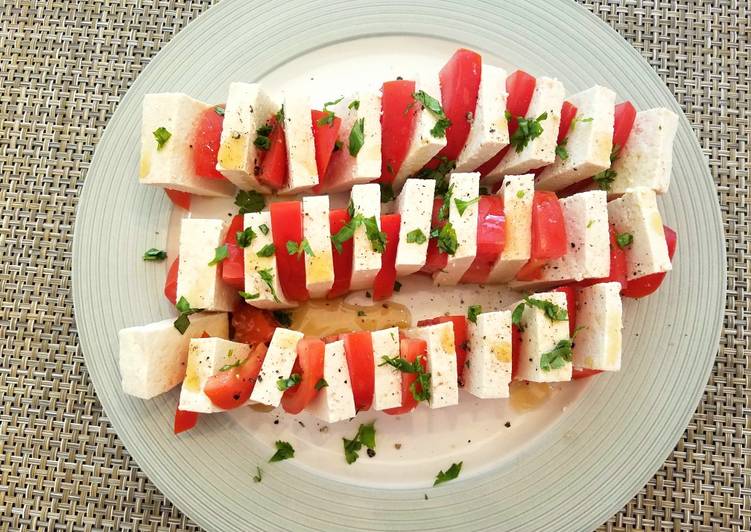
x=599, y=318
x=488, y=372
x=424, y=145
x=540, y=335
x=334, y=402
x=444, y=389
x=547, y=98
x=588, y=142
x=466, y=187
x=319, y=267
x=366, y=263
x=261, y=275
x=588, y=252
x=517, y=192
x=344, y=170
x=647, y=158
x=302, y=172
x=171, y=166
x=636, y=213
x=277, y=365
x=153, y=357
x=248, y=107
x=415, y=205
x=489, y=131
x=206, y=356
x=198, y=281
x=388, y=380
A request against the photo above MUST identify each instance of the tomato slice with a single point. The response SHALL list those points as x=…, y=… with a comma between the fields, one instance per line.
x=273, y=162
x=383, y=286
x=179, y=198
x=436, y=259
x=583, y=373
x=520, y=87
x=549, y=239
x=570, y=292
x=491, y=238
x=516, y=349
x=309, y=365
x=644, y=286
x=286, y=226
x=206, y=140
x=338, y=218
x=184, y=420
x=617, y=265
x=252, y=325
x=170, y=284
x=409, y=350
x=568, y=113
x=623, y=123
x=324, y=136
x=398, y=112
x=232, y=388
x=358, y=348
x=233, y=267
x=460, y=338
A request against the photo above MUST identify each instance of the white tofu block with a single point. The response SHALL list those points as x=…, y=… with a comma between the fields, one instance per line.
x=517, y=192
x=465, y=187
x=334, y=402
x=647, y=158
x=489, y=132
x=344, y=170
x=366, y=263
x=319, y=267
x=540, y=335
x=261, y=275
x=171, y=166
x=599, y=313
x=302, y=172
x=585, y=216
x=636, y=213
x=197, y=281
x=248, y=108
x=415, y=205
x=153, y=357
x=547, y=98
x=488, y=371
x=277, y=365
x=206, y=356
x=388, y=380
x=444, y=388
x=588, y=143
x=424, y=145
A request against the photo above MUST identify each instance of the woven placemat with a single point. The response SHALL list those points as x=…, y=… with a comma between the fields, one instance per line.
x=63, y=68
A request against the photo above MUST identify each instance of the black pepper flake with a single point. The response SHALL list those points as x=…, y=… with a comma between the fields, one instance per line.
x=276, y=422
x=426, y=496
x=301, y=424
x=368, y=295
x=507, y=424
x=371, y=452
x=236, y=396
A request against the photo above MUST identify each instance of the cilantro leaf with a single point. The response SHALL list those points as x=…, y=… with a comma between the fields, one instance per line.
x=438, y=174
x=235, y=364
x=450, y=474
x=354, y=104
x=461, y=205
x=290, y=382
x=357, y=137
x=552, y=311
x=258, y=477
x=162, y=136
x=245, y=237
x=268, y=278
x=516, y=315
x=434, y=106
x=447, y=241
x=558, y=357
x=249, y=201
x=303, y=247
x=375, y=235
x=423, y=378
x=154, y=255
x=220, y=254
x=284, y=451
x=387, y=192
x=183, y=307
x=624, y=240
x=561, y=151
x=473, y=311
x=528, y=129
x=264, y=229
x=605, y=178
x=365, y=436
x=248, y=296
x=416, y=236
x=266, y=251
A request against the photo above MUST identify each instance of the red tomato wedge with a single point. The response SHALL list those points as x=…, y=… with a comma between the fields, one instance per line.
x=398, y=112
x=570, y=292
x=286, y=226
x=252, y=325
x=520, y=87
x=179, y=198
x=232, y=388
x=491, y=238
x=617, y=266
x=436, y=259
x=568, y=113
x=206, y=142
x=625, y=114
x=549, y=239
x=170, y=284
x=460, y=338
x=409, y=350
x=358, y=348
x=309, y=365
x=338, y=218
x=324, y=136
x=233, y=267
x=383, y=286
x=516, y=349
x=273, y=162
x=184, y=420
x=643, y=286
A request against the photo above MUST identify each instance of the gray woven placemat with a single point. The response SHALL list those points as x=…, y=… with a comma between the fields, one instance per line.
x=63, y=68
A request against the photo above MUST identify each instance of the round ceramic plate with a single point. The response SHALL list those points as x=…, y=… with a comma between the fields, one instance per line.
x=570, y=464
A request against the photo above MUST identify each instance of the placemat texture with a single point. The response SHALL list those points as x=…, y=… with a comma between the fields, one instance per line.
x=63, y=68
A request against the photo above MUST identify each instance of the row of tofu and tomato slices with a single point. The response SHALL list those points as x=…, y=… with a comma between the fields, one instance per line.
x=472, y=116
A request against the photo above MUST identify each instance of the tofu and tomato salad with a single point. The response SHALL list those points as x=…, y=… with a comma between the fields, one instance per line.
x=470, y=175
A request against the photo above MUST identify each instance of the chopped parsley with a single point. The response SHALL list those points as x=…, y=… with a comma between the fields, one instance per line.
x=529, y=129
x=365, y=437
x=560, y=149
x=248, y=296
x=443, y=212
x=154, y=255
x=473, y=311
x=218, y=109
x=258, y=477
x=387, y=192
x=162, y=136
x=268, y=278
x=183, y=307
x=561, y=354
x=434, y=106
x=298, y=249
x=552, y=311
x=282, y=317
x=266, y=251
x=516, y=315
x=249, y=201
x=447, y=241
x=416, y=236
x=263, y=228
x=354, y=104
x=423, y=378
x=291, y=382
x=605, y=178
x=220, y=253
x=357, y=137
x=328, y=116
x=321, y=383
x=262, y=141
x=284, y=451
x=397, y=286
x=450, y=474
x=461, y=205
x=438, y=174
x=235, y=364
x=375, y=235
x=578, y=119
x=624, y=240
x=280, y=115
x=245, y=237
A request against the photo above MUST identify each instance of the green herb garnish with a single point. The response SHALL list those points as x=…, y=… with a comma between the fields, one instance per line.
x=375, y=235
x=282, y=317
x=235, y=364
x=245, y=237
x=154, y=255
x=263, y=228
x=473, y=311
x=303, y=247
x=461, y=205
x=286, y=384
x=529, y=129
x=218, y=109
x=321, y=383
x=262, y=140
x=365, y=436
x=284, y=451
x=183, y=307
x=423, y=378
x=258, y=476
x=354, y=104
x=552, y=311
x=248, y=296
x=558, y=357
x=450, y=474
x=434, y=106
x=162, y=136
x=387, y=192
x=416, y=236
x=266, y=251
x=624, y=240
x=220, y=253
x=268, y=278
x=328, y=116
x=249, y=201
x=447, y=241
x=561, y=151
x=357, y=137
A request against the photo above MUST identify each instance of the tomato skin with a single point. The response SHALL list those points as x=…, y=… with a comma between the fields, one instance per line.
x=460, y=338
x=583, y=373
x=273, y=163
x=516, y=349
x=233, y=267
x=170, y=283
x=410, y=349
x=252, y=325
x=617, y=266
x=206, y=140
x=383, y=286
x=568, y=113
x=286, y=225
x=625, y=114
x=570, y=292
x=549, y=239
x=398, y=113
x=338, y=218
x=309, y=365
x=184, y=420
x=232, y=388
x=358, y=348
x=324, y=136
x=436, y=259
x=644, y=286
x=491, y=239
x=179, y=198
